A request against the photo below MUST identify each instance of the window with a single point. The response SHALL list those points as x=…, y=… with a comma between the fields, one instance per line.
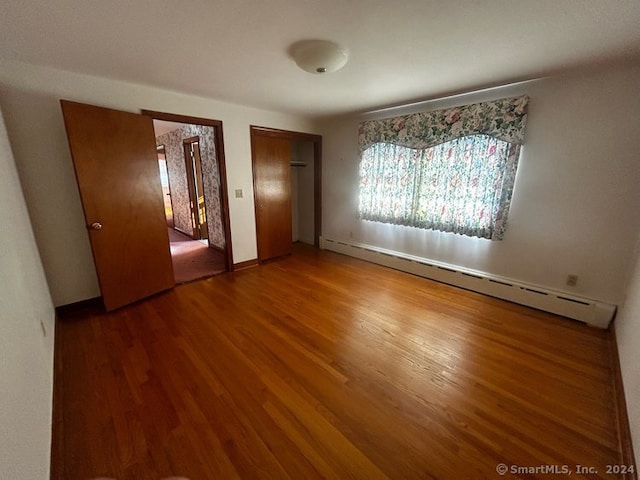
x=451, y=170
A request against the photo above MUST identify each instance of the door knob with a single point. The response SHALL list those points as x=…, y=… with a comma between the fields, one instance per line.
x=96, y=226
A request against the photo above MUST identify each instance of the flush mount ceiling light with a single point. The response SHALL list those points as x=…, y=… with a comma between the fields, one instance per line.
x=319, y=56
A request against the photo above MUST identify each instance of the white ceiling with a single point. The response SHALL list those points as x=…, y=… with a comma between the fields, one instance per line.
x=400, y=51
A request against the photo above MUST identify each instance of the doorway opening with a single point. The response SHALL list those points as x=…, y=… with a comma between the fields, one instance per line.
x=196, y=190
x=195, y=186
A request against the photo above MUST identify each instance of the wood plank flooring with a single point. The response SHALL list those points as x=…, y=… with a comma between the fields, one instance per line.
x=322, y=366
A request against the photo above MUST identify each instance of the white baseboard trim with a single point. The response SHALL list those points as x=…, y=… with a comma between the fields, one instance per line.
x=592, y=312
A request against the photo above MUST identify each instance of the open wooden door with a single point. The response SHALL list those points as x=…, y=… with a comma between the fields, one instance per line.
x=195, y=184
x=116, y=164
x=272, y=193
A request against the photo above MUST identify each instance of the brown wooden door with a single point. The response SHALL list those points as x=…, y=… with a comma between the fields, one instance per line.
x=114, y=156
x=272, y=192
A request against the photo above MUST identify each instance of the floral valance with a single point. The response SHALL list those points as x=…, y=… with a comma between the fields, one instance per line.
x=504, y=119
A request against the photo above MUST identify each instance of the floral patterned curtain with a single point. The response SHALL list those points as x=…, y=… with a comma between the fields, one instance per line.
x=455, y=174
x=463, y=186
x=504, y=119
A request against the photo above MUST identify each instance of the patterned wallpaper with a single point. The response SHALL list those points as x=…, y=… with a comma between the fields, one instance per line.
x=172, y=142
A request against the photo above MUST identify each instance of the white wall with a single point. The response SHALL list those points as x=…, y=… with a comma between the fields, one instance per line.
x=628, y=337
x=576, y=198
x=26, y=351
x=29, y=96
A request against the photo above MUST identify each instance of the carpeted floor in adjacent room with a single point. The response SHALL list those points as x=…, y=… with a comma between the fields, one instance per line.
x=193, y=259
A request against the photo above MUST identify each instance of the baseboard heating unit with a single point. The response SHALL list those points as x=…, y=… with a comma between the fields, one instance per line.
x=592, y=312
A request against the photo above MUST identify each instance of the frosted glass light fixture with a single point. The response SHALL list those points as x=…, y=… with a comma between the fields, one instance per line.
x=319, y=56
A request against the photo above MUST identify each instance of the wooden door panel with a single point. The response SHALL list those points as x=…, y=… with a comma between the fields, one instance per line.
x=272, y=188
x=115, y=160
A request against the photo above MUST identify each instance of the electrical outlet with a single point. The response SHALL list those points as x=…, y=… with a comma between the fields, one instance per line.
x=572, y=280
x=239, y=193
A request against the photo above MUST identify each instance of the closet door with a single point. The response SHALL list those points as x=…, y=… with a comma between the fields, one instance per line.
x=272, y=194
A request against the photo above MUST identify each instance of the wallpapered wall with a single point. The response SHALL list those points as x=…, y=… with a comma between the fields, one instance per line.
x=173, y=145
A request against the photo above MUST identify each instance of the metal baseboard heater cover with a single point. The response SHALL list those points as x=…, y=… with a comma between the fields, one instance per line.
x=592, y=312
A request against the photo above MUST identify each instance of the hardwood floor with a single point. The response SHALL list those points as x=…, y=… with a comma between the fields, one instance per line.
x=323, y=366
